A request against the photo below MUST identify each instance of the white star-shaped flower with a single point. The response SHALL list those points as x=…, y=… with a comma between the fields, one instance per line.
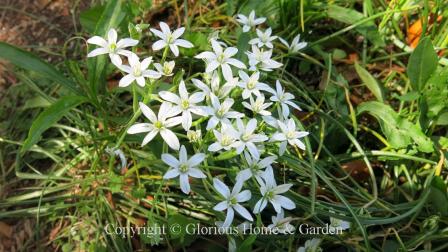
x=183, y=167
x=261, y=59
x=311, y=246
x=137, y=71
x=166, y=69
x=264, y=39
x=247, y=137
x=271, y=193
x=215, y=87
x=221, y=58
x=185, y=104
x=250, y=21
x=251, y=85
x=283, y=98
x=289, y=134
x=111, y=46
x=295, y=46
x=220, y=112
x=255, y=167
x=258, y=106
x=226, y=138
x=282, y=224
x=159, y=124
x=170, y=39
x=232, y=201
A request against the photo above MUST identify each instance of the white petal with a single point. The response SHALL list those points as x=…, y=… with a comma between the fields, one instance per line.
x=183, y=43
x=196, y=159
x=147, y=112
x=178, y=32
x=184, y=183
x=168, y=96
x=186, y=120
x=158, y=33
x=221, y=206
x=140, y=128
x=230, y=51
x=260, y=205
x=126, y=80
x=243, y=196
x=221, y=188
x=112, y=36
x=236, y=63
x=217, y=48
x=227, y=72
x=229, y=218
x=97, y=40
x=243, y=212
x=165, y=28
x=141, y=81
x=170, y=160
x=171, y=173
x=98, y=51
x=159, y=44
x=174, y=49
x=206, y=55
x=282, y=188
x=196, y=173
x=146, y=62
x=214, y=147
x=127, y=42
x=170, y=138
x=211, y=66
x=244, y=175
x=149, y=137
x=284, y=202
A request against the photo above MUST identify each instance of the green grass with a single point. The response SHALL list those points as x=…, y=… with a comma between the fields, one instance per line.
x=390, y=112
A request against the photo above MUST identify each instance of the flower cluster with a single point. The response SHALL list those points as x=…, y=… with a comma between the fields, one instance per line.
x=255, y=133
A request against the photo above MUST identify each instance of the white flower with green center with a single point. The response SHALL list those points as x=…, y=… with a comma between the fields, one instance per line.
x=311, y=246
x=288, y=134
x=282, y=224
x=137, y=71
x=247, y=137
x=159, y=124
x=232, y=201
x=258, y=106
x=249, y=21
x=339, y=224
x=166, y=69
x=270, y=192
x=251, y=84
x=221, y=58
x=226, y=138
x=185, y=104
x=259, y=59
x=264, y=39
x=183, y=167
x=220, y=112
x=111, y=46
x=295, y=46
x=214, y=86
x=255, y=167
x=284, y=99
x=170, y=39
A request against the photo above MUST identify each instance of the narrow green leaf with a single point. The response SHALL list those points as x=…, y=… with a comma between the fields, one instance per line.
x=370, y=82
x=49, y=117
x=422, y=64
x=398, y=130
x=31, y=62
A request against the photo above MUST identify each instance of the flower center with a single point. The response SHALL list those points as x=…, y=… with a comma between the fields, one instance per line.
x=183, y=168
x=221, y=58
x=290, y=135
x=270, y=195
x=226, y=140
x=113, y=47
x=166, y=69
x=169, y=39
x=137, y=71
x=221, y=112
x=185, y=104
x=245, y=137
x=233, y=201
x=158, y=124
x=251, y=84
